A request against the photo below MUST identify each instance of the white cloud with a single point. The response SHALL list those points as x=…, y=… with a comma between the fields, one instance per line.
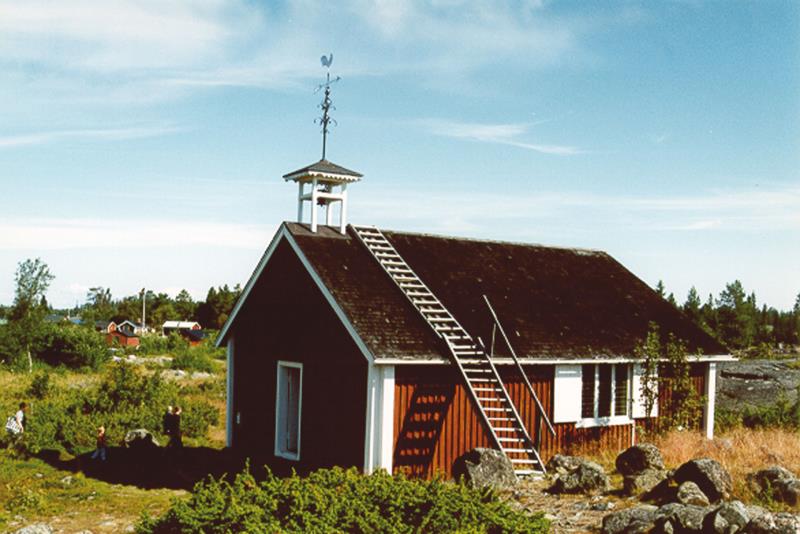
x=100, y=134
x=504, y=134
x=59, y=234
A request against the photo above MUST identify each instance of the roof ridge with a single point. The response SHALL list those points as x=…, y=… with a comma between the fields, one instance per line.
x=498, y=241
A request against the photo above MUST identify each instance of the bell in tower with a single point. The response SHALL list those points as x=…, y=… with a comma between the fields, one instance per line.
x=327, y=181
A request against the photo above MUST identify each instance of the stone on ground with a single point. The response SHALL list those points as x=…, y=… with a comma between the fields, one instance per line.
x=37, y=528
x=633, y=520
x=587, y=478
x=689, y=493
x=728, y=518
x=777, y=483
x=141, y=439
x=480, y=468
x=712, y=479
x=640, y=458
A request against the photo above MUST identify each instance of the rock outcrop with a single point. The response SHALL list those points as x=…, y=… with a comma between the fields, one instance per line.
x=480, y=468
x=690, y=493
x=755, y=383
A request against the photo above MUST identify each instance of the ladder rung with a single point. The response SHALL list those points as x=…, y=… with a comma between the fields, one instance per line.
x=492, y=399
x=477, y=370
x=525, y=472
x=505, y=428
x=486, y=389
x=514, y=440
x=492, y=409
x=523, y=461
x=500, y=418
x=517, y=450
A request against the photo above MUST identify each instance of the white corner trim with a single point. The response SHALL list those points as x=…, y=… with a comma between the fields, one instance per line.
x=276, y=239
x=379, y=429
x=279, y=452
x=711, y=395
x=229, y=418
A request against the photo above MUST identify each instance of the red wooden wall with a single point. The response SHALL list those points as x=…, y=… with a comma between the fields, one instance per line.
x=435, y=421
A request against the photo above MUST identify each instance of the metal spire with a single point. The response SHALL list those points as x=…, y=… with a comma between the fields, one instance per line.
x=327, y=104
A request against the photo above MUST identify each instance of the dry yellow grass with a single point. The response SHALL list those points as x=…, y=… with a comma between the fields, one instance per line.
x=740, y=451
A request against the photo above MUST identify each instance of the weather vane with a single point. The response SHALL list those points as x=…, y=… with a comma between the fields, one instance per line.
x=327, y=104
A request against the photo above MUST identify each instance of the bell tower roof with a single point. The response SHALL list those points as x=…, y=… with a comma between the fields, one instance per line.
x=324, y=172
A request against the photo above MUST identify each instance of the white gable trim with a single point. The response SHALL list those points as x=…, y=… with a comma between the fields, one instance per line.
x=284, y=233
x=551, y=361
x=276, y=239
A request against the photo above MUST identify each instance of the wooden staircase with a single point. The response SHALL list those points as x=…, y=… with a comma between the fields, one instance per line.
x=479, y=373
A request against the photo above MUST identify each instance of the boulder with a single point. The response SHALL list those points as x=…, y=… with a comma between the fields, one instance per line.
x=728, y=518
x=755, y=383
x=561, y=464
x=689, y=493
x=587, y=478
x=633, y=520
x=37, y=528
x=141, y=439
x=777, y=483
x=639, y=458
x=684, y=518
x=643, y=482
x=781, y=523
x=712, y=479
x=480, y=468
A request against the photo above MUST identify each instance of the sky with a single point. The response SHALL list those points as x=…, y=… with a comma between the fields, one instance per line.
x=142, y=143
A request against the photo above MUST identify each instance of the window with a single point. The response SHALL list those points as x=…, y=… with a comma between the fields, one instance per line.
x=605, y=392
x=288, y=406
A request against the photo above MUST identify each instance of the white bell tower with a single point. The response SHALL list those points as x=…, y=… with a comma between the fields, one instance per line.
x=328, y=181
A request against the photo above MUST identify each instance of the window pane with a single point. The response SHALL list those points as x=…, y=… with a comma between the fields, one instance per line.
x=293, y=408
x=621, y=390
x=604, y=400
x=587, y=391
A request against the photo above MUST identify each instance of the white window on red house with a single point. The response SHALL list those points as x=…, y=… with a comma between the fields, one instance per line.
x=605, y=392
x=288, y=408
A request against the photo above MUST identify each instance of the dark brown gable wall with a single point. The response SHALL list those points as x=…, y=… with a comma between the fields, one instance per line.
x=286, y=317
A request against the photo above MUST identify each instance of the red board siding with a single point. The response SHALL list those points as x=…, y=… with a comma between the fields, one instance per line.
x=435, y=421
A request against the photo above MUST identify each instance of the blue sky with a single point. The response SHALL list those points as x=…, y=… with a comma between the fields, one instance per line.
x=142, y=142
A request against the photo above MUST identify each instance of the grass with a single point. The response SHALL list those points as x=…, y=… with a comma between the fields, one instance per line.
x=70, y=500
x=36, y=491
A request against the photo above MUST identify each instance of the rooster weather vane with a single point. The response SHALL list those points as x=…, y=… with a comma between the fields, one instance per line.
x=327, y=104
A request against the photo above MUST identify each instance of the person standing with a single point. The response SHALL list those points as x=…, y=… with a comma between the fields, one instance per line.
x=175, y=438
x=15, y=425
x=100, y=451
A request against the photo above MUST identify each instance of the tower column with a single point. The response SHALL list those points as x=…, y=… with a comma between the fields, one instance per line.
x=343, y=211
x=314, y=194
x=301, y=187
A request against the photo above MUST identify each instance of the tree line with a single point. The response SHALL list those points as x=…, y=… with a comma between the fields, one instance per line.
x=211, y=313
x=736, y=319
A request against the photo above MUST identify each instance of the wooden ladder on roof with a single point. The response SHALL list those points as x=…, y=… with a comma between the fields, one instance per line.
x=479, y=373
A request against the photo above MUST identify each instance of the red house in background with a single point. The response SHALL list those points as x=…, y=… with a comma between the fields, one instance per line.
x=122, y=337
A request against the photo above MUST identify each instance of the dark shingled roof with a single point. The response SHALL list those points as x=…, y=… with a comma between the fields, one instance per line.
x=552, y=302
x=325, y=166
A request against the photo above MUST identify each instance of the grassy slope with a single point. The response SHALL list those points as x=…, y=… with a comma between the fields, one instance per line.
x=70, y=501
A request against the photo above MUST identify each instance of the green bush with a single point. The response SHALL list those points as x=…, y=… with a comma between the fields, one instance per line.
x=192, y=359
x=71, y=346
x=126, y=399
x=40, y=385
x=153, y=344
x=338, y=500
x=783, y=413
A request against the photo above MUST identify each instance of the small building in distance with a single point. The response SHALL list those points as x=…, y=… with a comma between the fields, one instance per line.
x=122, y=337
x=130, y=327
x=176, y=326
x=106, y=327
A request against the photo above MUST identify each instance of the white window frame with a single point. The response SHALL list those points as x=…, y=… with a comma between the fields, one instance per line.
x=280, y=450
x=588, y=422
